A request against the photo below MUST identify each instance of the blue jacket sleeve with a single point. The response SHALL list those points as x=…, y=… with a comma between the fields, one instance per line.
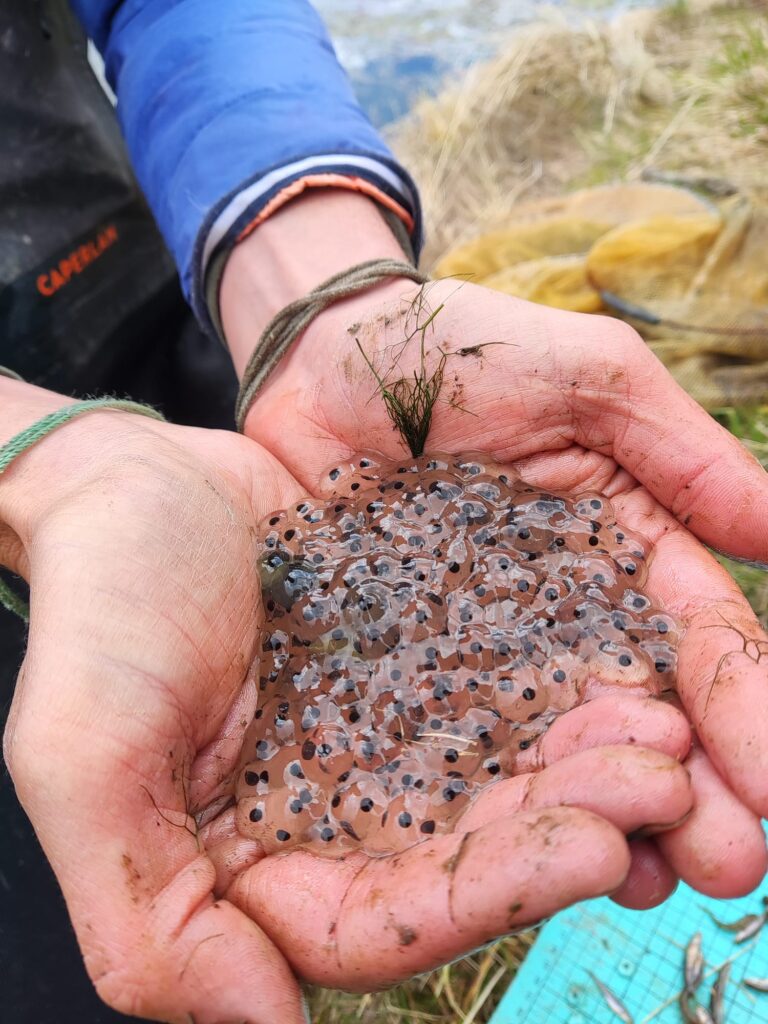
x=225, y=104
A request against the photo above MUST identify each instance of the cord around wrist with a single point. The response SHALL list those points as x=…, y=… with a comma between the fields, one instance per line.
x=43, y=462
x=327, y=340
x=291, y=322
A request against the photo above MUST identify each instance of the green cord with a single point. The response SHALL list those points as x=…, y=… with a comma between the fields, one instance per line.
x=36, y=432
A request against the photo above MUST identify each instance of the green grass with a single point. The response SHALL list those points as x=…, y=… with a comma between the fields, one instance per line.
x=613, y=155
x=742, y=54
x=743, y=63
x=679, y=10
x=739, y=69
x=750, y=425
x=410, y=400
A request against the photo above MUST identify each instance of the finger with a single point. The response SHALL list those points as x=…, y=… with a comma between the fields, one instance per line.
x=687, y=461
x=625, y=407
x=155, y=941
x=376, y=922
x=214, y=764
x=106, y=792
x=722, y=662
x=229, y=851
x=637, y=789
x=650, y=881
x=604, y=721
x=720, y=848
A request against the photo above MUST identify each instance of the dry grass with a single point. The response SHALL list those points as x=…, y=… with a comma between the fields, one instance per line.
x=466, y=992
x=683, y=89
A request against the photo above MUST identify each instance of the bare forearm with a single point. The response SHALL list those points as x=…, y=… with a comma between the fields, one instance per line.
x=304, y=243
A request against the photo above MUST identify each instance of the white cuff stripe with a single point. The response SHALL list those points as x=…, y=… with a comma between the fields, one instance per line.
x=252, y=193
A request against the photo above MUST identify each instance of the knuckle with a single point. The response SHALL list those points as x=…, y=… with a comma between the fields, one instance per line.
x=621, y=334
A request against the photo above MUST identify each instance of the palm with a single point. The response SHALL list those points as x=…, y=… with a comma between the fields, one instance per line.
x=127, y=726
x=574, y=403
x=130, y=709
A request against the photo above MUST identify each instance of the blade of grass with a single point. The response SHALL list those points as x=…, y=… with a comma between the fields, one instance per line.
x=483, y=996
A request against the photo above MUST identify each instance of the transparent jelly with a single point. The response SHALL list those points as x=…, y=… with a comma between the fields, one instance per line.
x=423, y=626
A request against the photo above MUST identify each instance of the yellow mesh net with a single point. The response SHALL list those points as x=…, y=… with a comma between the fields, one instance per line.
x=689, y=272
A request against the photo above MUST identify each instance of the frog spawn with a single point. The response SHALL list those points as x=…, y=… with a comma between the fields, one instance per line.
x=424, y=626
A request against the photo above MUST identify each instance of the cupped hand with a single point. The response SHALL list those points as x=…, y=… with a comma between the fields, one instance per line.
x=131, y=702
x=127, y=724
x=573, y=403
x=525, y=848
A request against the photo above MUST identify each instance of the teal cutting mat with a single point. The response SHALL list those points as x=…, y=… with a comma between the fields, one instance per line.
x=639, y=956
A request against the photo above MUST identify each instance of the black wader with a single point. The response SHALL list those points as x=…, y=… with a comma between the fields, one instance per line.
x=89, y=304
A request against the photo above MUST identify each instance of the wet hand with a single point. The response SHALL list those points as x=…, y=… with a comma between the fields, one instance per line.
x=131, y=702
x=525, y=848
x=574, y=403
x=127, y=725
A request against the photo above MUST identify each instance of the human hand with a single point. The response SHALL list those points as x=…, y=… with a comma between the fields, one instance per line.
x=138, y=541
x=572, y=403
x=127, y=723
x=525, y=848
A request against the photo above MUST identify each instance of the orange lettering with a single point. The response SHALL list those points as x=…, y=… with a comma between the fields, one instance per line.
x=65, y=269
x=44, y=286
x=76, y=261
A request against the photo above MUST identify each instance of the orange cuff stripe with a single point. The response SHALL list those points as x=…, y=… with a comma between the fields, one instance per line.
x=327, y=181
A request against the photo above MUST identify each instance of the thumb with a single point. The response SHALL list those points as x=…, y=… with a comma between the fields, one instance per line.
x=107, y=798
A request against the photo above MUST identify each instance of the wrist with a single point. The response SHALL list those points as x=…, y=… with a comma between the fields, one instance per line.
x=327, y=347
x=66, y=460
x=21, y=405
x=321, y=233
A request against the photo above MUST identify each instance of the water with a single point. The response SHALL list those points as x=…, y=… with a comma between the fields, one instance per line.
x=396, y=50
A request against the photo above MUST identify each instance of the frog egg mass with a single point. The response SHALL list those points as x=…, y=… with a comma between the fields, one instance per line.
x=423, y=627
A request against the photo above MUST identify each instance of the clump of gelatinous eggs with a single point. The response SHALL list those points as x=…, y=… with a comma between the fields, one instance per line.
x=423, y=626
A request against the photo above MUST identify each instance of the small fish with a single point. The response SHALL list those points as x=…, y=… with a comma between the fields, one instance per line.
x=613, y=1002
x=758, y=984
x=702, y=1016
x=752, y=928
x=717, y=996
x=693, y=1012
x=694, y=963
x=732, y=926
